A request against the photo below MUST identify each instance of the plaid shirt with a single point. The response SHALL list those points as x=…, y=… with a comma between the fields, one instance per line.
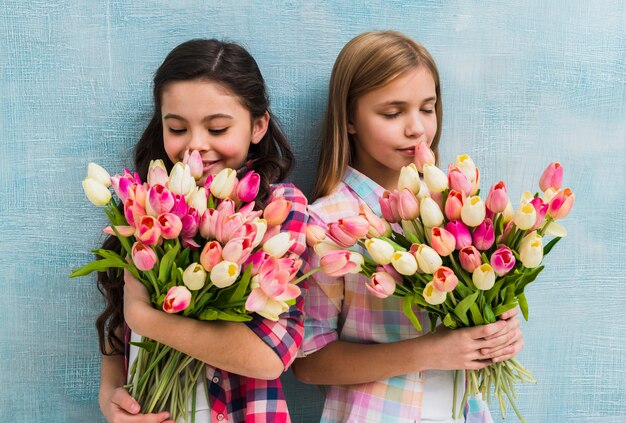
x=235, y=398
x=342, y=308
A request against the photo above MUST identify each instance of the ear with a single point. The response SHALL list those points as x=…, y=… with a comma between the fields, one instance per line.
x=351, y=129
x=259, y=127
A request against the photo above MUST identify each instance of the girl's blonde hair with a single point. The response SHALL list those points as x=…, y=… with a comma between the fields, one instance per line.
x=369, y=61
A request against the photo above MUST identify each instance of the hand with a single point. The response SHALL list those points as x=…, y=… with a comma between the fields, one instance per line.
x=120, y=407
x=510, y=339
x=136, y=301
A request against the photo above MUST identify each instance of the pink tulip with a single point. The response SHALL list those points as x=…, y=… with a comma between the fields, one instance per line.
x=347, y=231
x=561, y=204
x=505, y=232
x=340, y=262
x=208, y=223
x=133, y=212
x=277, y=211
x=454, y=204
x=143, y=257
x=458, y=181
x=408, y=207
x=291, y=265
x=256, y=259
x=247, y=210
x=497, y=199
x=177, y=299
x=502, y=261
x=180, y=206
x=484, y=235
x=470, y=258
x=552, y=177
x=125, y=231
x=378, y=227
x=121, y=183
x=382, y=285
x=460, y=232
x=148, y=230
x=475, y=183
x=237, y=250
x=389, y=206
x=170, y=224
x=190, y=223
x=207, y=183
x=444, y=279
x=423, y=155
x=541, y=208
x=442, y=241
x=194, y=161
x=247, y=230
x=211, y=255
x=390, y=270
x=157, y=173
x=160, y=200
x=227, y=226
x=248, y=186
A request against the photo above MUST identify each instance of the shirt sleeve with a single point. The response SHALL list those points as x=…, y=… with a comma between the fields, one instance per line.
x=285, y=336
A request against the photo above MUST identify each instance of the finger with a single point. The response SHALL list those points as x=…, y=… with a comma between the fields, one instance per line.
x=123, y=400
x=485, y=331
x=511, y=324
x=513, y=339
x=502, y=340
x=157, y=417
x=516, y=348
x=508, y=314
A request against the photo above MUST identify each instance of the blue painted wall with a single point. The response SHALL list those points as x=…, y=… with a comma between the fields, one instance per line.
x=525, y=83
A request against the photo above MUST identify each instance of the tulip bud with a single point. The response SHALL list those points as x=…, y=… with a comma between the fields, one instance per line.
x=378, y=227
x=98, y=174
x=177, y=299
x=277, y=211
x=552, y=177
x=211, y=255
x=389, y=206
x=525, y=217
x=223, y=183
x=430, y=213
x=248, y=187
x=340, y=262
x=194, y=277
x=465, y=163
x=549, y=194
x=502, y=261
x=160, y=200
x=96, y=192
x=404, y=263
x=423, y=155
x=224, y=274
x=454, y=204
x=541, y=209
x=148, y=230
x=444, y=279
x=526, y=197
x=531, y=250
x=435, y=179
x=409, y=179
x=561, y=204
x=461, y=233
x=143, y=257
x=458, y=181
x=278, y=245
x=380, y=250
x=261, y=229
x=237, y=250
x=427, y=259
x=470, y=258
x=347, y=231
x=382, y=285
x=181, y=182
x=432, y=295
x=157, y=173
x=194, y=161
x=484, y=235
x=198, y=200
x=473, y=211
x=408, y=207
x=442, y=241
x=497, y=199
x=484, y=277
x=508, y=213
x=170, y=225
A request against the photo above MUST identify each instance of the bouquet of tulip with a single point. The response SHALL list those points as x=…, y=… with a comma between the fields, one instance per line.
x=463, y=260
x=202, y=252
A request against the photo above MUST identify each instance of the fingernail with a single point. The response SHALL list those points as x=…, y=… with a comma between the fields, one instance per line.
x=135, y=408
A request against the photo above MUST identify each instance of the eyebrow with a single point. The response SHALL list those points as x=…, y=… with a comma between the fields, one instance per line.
x=205, y=119
x=400, y=103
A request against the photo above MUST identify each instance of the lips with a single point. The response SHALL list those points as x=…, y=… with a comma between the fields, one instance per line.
x=208, y=164
x=410, y=151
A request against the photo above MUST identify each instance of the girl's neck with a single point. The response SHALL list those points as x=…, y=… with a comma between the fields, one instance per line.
x=383, y=176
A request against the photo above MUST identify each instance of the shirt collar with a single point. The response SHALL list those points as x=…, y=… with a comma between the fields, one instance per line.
x=368, y=190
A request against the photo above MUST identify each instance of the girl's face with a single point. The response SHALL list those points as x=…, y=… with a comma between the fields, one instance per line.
x=204, y=116
x=390, y=121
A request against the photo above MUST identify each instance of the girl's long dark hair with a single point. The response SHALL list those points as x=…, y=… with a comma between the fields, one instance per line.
x=231, y=66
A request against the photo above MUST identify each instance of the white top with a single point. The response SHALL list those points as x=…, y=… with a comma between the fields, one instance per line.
x=437, y=396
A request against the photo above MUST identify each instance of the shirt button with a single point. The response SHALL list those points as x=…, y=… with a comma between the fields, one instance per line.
x=216, y=380
x=220, y=417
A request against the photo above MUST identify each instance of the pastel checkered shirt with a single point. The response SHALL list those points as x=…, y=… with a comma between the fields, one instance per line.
x=234, y=398
x=342, y=308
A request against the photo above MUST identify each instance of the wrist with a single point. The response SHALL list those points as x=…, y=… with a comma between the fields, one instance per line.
x=137, y=317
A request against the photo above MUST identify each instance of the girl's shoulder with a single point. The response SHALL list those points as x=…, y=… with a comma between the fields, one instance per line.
x=340, y=203
x=288, y=191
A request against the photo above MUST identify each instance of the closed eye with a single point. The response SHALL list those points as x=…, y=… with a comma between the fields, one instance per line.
x=177, y=131
x=218, y=131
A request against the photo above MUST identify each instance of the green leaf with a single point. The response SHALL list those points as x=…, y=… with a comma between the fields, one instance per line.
x=549, y=245
x=463, y=306
x=488, y=313
x=504, y=307
x=527, y=278
x=407, y=308
x=399, y=242
x=477, y=317
x=227, y=315
x=523, y=305
x=412, y=238
x=123, y=241
x=433, y=321
x=99, y=266
x=166, y=263
x=449, y=322
x=146, y=345
x=242, y=285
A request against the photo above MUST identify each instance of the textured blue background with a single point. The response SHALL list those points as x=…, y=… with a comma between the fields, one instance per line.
x=524, y=83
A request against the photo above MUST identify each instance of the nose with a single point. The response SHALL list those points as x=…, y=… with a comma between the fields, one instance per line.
x=198, y=140
x=414, y=126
